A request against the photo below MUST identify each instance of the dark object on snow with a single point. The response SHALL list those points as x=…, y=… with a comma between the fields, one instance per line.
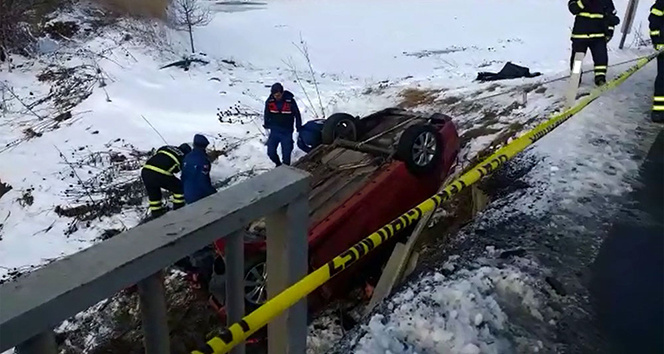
x=311, y=135
x=509, y=71
x=185, y=63
x=518, y=252
x=557, y=286
x=63, y=116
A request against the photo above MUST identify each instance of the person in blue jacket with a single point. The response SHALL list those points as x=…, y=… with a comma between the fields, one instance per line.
x=311, y=135
x=196, y=172
x=281, y=112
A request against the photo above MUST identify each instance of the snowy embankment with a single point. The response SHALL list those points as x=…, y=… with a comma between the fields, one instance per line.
x=75, y=121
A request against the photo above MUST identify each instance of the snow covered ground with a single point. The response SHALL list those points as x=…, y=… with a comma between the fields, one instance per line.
x=366, y=55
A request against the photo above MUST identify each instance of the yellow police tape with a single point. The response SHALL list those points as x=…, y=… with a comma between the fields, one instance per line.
x=239, y=332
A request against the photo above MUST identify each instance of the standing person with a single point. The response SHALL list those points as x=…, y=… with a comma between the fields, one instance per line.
x=594, y=24
x=281, y=112
x=196, y=172
x=159, y=173
x=656, y=22
x=197, y=185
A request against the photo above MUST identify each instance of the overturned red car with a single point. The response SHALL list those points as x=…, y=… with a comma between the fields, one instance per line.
x=367, y=172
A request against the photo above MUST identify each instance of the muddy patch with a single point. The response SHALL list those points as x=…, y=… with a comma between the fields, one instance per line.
x=414, y=97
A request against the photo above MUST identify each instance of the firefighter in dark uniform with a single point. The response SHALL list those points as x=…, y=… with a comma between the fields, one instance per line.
x=594, y=24
x=656, y=21
x=159, y=172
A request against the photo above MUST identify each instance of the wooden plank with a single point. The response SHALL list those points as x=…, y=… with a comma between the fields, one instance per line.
x=400, y=260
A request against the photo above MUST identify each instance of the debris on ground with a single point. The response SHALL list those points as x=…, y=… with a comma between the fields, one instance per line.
x=4, y=188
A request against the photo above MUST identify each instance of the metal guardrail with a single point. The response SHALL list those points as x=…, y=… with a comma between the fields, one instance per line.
x=31, y=306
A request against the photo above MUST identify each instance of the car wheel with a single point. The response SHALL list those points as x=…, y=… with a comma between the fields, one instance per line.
x=420, y=148
x=340, y=125
x=255, y=284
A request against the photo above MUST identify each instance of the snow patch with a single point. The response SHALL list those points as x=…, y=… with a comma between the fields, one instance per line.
x=458, y=314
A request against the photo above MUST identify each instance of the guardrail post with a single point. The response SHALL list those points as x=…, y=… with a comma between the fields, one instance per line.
x=235, y=282
x=574, y=80
x=287, y=262
x=152, y=297
x=43, y=343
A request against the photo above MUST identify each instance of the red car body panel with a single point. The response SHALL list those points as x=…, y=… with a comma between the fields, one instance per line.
x=390, y=192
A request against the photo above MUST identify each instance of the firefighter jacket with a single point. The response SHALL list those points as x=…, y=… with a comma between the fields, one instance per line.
x=656, y=22
x=167, y=160
x=593, y=18
x=281, y=115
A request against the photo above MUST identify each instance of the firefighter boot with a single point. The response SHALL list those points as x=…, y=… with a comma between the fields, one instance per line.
x=657, y=116
x=600, y=80
x=157, y=213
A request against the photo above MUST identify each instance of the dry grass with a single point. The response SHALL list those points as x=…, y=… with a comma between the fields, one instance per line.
x=137, y=8
x=413, y=97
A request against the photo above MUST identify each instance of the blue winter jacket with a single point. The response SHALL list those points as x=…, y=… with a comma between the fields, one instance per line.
x=310, y=135
x=196, y=176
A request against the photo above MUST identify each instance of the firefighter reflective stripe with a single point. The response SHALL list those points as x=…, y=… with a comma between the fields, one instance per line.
x=178, y=198
x=156, y=206
x=590, y=15
x=588, y=36
x=600, y=69
x=579, y=3
x=654, y=33
x=657, y=12
x=660, y=47
x=157, y=169
x=154, y=202
x=177, y=162
x=612, y=28
x=658, y=103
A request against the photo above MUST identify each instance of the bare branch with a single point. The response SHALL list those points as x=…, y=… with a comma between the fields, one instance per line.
x=186, y=14
x=291, y=66
x=305, y=52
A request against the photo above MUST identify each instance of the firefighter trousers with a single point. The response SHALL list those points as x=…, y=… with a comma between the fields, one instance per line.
x=154, y=182
x=658, y=97
x=599, y=52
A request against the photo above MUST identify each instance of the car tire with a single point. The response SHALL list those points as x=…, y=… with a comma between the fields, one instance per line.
x=255, y=270
x=420, y=147
x=340, y=125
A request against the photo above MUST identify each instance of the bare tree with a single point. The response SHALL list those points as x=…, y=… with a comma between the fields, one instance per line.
x=186, y=14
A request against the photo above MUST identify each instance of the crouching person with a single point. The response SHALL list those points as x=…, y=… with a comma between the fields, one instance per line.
x=311, y=135
x=159, y=173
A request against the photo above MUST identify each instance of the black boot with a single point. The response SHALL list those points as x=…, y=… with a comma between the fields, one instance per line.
x=157, y=213
x=657, y=116
x=600, y=80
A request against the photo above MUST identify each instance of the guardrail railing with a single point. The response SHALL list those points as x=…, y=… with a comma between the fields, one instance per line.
x=32, y=305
